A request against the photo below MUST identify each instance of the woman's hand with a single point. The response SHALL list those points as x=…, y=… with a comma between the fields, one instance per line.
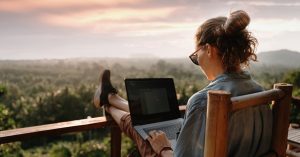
x=159, y=142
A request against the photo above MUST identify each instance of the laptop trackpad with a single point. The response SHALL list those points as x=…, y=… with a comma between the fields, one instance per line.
x=170, y=128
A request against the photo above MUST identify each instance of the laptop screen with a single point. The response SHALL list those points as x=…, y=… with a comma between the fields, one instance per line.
x=154, y=100
x=151, y=100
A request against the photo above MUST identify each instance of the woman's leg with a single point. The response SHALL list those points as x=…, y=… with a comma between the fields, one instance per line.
x=123, y=119
x=118, y=102
x=116, y=113
x=107, y=94
x=118, y=108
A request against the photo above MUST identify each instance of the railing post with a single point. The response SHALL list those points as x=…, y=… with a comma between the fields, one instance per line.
x=115, y=145
x=281, y=111
x=216, y=133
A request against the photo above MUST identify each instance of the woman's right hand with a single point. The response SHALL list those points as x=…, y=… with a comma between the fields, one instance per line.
x=159, y=142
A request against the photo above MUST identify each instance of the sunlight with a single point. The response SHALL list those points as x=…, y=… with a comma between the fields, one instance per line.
x=133, y=22
x=107, y=15
x=29, y=5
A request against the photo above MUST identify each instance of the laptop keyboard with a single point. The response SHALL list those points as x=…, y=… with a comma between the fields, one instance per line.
x=171, y=131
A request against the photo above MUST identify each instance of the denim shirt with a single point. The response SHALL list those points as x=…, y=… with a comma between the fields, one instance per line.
x=250, y=129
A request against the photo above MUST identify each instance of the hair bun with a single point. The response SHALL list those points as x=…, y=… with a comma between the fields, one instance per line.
x=237, y=21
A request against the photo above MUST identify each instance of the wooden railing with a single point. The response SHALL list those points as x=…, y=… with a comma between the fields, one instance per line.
x=65, y=127
x=68, y=127
x=76, y=126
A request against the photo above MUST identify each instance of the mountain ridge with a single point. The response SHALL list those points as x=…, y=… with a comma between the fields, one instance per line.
x=282, y=57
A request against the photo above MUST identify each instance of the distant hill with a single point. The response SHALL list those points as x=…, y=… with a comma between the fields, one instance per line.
x=282, y=57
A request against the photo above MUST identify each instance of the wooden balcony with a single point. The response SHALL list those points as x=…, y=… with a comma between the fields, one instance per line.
x=68, y=127
x=79, y=126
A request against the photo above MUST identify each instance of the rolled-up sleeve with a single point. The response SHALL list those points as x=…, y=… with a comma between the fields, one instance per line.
x=190, y=141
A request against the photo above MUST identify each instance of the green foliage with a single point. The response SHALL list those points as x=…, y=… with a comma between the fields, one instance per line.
x=128, y=146
x=60, y=151
x=295, y=116
x=92, y=149
x=296, y=93
x=3, y=90
x=11, y=150
x=293, y=78
x=6, y=121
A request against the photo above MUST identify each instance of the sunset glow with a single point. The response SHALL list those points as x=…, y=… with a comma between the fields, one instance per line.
x=31, y=5
x=114, y=15
x=55, y=28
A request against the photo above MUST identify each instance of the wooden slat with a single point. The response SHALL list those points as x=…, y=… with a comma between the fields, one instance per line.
x=216, y=132
x=294, y=137
x=291, y=153
x=115, y=142
x=241, y=102
x=281, y=112
x=57, y=128
x=52, y=129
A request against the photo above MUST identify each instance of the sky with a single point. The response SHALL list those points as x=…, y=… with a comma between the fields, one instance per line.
x=46, y=29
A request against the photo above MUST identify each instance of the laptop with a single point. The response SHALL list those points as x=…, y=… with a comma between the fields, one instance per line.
x=153, y=105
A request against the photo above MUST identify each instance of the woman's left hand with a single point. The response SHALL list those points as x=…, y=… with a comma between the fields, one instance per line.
x=158, y=140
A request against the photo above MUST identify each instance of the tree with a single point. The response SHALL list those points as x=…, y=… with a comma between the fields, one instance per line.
x=293, y=78
x=3, y=90
x=6, y=122
x=60, y=151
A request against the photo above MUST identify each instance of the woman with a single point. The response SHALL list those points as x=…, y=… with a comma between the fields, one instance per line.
x=223, y=48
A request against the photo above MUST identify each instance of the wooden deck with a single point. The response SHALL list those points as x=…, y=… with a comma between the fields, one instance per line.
x=294, y=135
x=294, y=131
x=294, y=142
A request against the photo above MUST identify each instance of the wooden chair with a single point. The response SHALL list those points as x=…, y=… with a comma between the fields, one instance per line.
x=221, y=105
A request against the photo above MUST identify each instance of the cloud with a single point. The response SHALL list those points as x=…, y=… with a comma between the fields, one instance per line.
x=264, y=3
x=32, y=5
x=276, y=25
x=105, y=15
x=131, y=22
x=114, y=15
x=121, y=17
x=288, y=9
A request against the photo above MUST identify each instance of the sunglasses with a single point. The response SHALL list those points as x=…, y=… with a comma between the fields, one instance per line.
x=194, y=56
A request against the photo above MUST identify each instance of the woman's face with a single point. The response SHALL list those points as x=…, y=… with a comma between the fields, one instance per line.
x=195, y=55
x=206, y=56
x=203, y=59
x=199, y=57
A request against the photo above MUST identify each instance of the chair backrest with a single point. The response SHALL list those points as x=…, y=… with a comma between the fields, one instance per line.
x=220, y=104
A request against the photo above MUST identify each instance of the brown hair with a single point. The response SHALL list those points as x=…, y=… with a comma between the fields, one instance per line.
x=235, y=43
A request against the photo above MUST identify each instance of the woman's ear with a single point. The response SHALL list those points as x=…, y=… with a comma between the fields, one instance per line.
x=212, y=51
x=209, y=50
